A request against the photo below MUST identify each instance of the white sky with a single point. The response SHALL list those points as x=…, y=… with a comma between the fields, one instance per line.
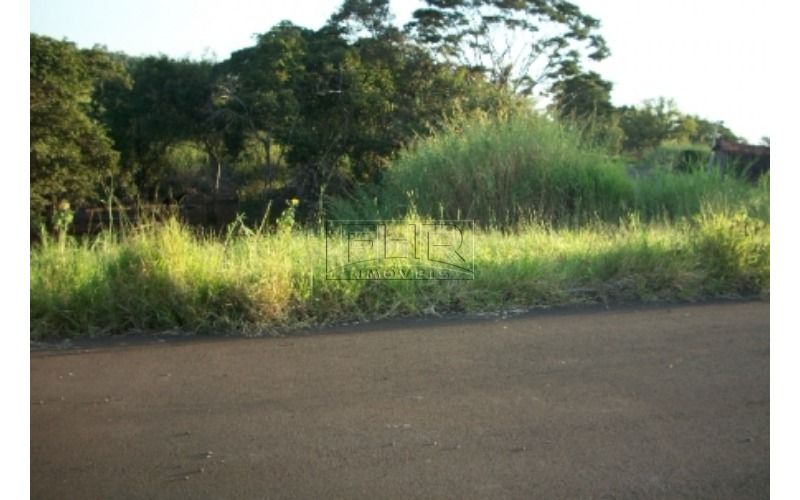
x=710, y=56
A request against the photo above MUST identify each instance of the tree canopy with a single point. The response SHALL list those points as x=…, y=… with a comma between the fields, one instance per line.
x=515, y=43
x=317, y=112
x=659, y=120
x=72, y=157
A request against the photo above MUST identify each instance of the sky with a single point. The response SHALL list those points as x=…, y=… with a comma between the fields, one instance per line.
x=711, y=57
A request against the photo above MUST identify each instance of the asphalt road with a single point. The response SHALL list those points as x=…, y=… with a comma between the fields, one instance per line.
x=635, y=402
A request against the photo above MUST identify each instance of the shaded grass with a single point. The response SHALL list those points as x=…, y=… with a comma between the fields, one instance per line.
x=165, y=277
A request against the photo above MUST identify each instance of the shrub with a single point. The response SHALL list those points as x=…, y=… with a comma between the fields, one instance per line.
x=505, y=170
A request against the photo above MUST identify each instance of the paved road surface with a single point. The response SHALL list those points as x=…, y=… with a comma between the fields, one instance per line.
x=636, y=402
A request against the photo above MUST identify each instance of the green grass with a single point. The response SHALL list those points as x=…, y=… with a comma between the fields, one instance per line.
x=165, y=277
x=558, y=223
x=661, y=194
x=530, y=169
x=500, y=172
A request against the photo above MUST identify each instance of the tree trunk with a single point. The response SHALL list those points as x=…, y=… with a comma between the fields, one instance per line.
x=268, y=173
x=219, y=174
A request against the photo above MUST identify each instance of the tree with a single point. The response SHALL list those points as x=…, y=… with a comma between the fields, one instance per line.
x=170, y=102
x=515, y=43
x=361, y=19
x=334, y=103
x=255, y=90
x=648, y=125
x=659, y=120
x=584, y=99
x=582, y=96
x=72, y=157
x=342, y=99
x=697, y=130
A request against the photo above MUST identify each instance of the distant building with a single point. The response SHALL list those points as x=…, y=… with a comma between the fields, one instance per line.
x=752, y=161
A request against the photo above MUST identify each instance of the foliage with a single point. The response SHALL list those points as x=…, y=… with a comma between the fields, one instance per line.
x=528, y=168
x=320, y=114
x=286, y=221
x=647, y=126
x=516, y=44
x=584, y=99
x=662, y=194
x=168, y=104
x=596, y=235
x=72, y=158
x=583, y=96
x=62, y=220
x=363, y=19
x=165, y=277
x=340, y=104
x=500, y=171
x=658, y=120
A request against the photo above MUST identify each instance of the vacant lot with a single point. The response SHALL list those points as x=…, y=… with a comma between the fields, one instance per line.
x=647, y=402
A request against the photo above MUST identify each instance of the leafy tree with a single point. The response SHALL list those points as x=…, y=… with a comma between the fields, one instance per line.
x=696, y=130
x=515, y=43
x=361, y=19
x=342, y=99
x=72, y=157
x=169, y=103
x=334, y=104
x=648, y=125
x=582, y=96
x=659, y=120
x=255, y=91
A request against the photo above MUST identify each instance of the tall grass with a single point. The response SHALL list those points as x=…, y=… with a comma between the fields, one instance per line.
x=499, y=172
x=167, y=277
x=663, y=194
x=527, y=168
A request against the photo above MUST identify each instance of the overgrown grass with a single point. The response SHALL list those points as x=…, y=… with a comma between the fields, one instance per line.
x=662, y=194
x=530, y=169
x=166, y=277
x=500, y=172
x=559, y=223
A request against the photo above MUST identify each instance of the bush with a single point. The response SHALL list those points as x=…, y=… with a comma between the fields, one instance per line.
x=678, y=157
x=502, y=171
